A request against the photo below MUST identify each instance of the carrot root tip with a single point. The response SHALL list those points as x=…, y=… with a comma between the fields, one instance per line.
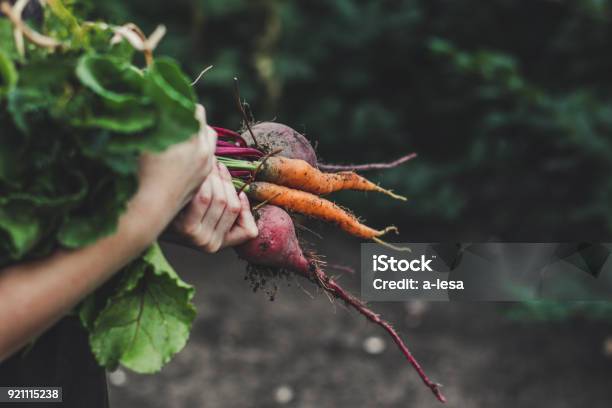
x=390, y=228
x=388, y=245
x=391, y=194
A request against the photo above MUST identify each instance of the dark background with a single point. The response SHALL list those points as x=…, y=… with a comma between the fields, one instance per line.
x=507, y=103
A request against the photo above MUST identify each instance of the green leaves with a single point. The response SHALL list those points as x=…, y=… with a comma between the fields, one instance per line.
x=43, y=89
x=7, y=44
x=117, y=82
x=85, y=118
x=119, y=104
x=18, y=231
x=154, y=109
x=169, y=90
x=99, y=215
x=147, y=320
x=8, y=74
x=74, y=123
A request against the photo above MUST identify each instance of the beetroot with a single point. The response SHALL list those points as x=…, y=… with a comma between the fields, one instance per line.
x=277, y=246
x=272, y=136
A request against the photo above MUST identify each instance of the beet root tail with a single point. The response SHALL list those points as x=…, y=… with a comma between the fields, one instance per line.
x=331, y=287
x=366, y=166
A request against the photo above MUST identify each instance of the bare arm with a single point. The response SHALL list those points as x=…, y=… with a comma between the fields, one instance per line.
x=35, y=295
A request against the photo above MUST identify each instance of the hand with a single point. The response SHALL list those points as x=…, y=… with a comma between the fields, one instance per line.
x=217, y=216
x=169, y=179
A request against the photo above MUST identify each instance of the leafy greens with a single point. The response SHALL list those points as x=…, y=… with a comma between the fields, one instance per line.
x=73, y=121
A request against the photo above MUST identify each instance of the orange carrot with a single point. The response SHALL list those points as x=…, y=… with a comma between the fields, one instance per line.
x=311, y=205
x=300, y=175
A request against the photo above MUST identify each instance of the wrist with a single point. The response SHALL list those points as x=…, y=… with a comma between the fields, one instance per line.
x=148, y=214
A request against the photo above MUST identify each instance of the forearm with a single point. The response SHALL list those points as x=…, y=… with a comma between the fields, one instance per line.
x=34, y=295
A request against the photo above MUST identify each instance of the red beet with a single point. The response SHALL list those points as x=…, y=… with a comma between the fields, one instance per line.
x=272, y=136
x=277, y=246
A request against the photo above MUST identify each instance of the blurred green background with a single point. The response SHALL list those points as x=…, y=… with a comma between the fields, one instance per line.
x=507, y=103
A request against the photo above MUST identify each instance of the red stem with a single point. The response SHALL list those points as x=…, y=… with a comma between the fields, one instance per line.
x=366, y=166
x=225, y=143
x=330, y=286
x=238, y=151
x=240, y=173
x=222, y=132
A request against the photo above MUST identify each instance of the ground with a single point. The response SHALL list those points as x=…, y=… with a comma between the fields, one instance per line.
x=303, y=351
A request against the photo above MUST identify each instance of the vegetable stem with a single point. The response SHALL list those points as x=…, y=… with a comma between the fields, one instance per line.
x=240, y=184
x=236, y=164
x=367, y=166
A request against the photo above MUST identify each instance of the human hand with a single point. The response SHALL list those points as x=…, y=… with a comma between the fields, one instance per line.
x=217, y=217
x=168, y=180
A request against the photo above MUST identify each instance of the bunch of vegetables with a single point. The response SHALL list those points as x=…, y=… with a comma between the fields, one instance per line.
x=76, y=113
x=277, y=168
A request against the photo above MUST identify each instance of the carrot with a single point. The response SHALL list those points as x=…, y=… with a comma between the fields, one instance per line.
x=296, y=173
x=311, y=205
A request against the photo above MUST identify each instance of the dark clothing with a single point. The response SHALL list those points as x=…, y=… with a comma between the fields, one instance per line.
x=59, y=358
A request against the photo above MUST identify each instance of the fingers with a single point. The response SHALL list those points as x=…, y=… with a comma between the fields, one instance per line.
x=247, y=221
x=207, y=141
x=232, y=209
x=245, y=227
x=214, y=212
x=190, y=220
x=200, y=114
x=197, y=222
x=217, y=217
x=211, y=138
x=207, y=134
